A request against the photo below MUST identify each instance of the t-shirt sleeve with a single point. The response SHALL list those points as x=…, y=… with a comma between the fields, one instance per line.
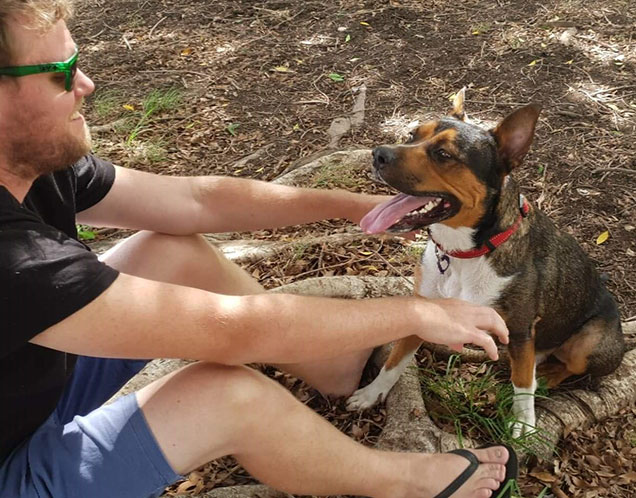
x=46, y=277
x=94, y=178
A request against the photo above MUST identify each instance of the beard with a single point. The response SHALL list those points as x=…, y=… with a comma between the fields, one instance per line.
x=35, y=154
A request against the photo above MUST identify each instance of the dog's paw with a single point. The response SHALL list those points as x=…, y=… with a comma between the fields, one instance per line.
x=522, y=428
x=365, y=398
x=524, y=423
x=523, y=412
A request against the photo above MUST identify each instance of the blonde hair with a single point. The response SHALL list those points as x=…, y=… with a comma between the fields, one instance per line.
x=35, y=14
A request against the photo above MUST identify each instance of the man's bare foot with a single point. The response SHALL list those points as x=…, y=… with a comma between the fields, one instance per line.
x=430, y=474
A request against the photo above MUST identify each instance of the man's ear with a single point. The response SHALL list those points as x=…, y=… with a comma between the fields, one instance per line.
x=458, y=105
x=514, y=135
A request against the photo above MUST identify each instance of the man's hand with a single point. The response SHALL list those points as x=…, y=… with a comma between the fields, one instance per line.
x=453, y=322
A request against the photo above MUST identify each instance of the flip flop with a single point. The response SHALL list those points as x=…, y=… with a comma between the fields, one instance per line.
x=503, y=491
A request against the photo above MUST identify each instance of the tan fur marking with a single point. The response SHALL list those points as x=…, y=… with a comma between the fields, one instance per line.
x=401, y=349
x=575, y=351
x=425, y=130
x=522, y=365
x=554, y=373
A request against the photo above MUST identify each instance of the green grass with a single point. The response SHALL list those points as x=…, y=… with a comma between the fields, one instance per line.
x=298, y=250
x=156, y=102
x=477, y=404
x=108, y=104
x=85, y=232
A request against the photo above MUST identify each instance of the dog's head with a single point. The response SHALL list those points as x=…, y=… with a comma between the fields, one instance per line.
x=448, y=170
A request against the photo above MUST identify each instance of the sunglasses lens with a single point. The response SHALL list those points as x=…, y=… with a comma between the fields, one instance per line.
x=70, y=77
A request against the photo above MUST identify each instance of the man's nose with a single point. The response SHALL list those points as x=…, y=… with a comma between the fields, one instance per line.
x=83, y=84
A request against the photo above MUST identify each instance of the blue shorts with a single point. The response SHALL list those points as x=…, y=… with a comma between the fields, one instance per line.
x=86, y=450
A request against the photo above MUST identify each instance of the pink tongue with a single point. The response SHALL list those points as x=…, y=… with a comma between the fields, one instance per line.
x=388, y=213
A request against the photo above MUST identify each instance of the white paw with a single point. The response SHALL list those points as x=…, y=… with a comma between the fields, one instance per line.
x=365, y=398
x=522, y=428
x=523, y=411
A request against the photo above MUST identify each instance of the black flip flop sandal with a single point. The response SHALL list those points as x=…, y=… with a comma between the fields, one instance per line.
x=504, y=491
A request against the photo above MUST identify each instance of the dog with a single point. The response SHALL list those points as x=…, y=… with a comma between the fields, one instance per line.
x=489, y=246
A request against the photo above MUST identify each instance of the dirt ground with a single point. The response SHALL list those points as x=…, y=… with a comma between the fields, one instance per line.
x=260, y=83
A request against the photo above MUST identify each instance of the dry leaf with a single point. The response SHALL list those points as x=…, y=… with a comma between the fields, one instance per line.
x=543, y=476
x=628, y=477
x=603, y=237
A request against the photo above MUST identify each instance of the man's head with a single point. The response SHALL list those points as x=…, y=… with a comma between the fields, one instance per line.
x=41, y=128
x=37, y=14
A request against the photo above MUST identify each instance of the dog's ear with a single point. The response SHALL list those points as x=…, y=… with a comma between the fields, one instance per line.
x=514, y=135
x=458, y=105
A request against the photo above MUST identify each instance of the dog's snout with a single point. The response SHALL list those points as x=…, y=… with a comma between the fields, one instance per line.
x=383, y=156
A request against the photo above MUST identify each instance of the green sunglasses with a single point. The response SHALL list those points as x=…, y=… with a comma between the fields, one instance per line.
x=68, y=67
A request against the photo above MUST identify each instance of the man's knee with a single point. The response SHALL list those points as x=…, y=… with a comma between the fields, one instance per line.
x=240, y=388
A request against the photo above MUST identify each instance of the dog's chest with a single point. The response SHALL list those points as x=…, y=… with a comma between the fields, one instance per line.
x=473, y=280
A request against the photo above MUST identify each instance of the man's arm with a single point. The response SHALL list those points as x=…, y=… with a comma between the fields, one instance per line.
x=139, y=318
x=187, y=205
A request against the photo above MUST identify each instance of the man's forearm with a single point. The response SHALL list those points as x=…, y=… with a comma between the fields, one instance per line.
x=282, y=328
x=235, y=204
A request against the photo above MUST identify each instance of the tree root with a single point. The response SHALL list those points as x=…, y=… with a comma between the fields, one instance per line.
x=252, y=251
x=245, y=491
x=349, y=287
x=576, y=409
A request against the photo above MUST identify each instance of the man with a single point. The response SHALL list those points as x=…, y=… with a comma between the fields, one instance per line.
x=166, y=293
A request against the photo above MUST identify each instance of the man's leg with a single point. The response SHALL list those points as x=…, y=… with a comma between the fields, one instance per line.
x=205, y=411
x=191, y=261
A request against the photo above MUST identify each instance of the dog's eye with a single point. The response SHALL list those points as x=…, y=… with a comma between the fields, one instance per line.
x=410, y=138
x=443, y=155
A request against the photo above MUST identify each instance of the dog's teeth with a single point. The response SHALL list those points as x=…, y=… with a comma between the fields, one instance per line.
x=427, y=207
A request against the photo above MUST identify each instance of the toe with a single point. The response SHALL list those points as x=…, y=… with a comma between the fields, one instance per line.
x=494, y=454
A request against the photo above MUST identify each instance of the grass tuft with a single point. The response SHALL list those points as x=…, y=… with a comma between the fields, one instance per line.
x=156, y=102
x=477, y=404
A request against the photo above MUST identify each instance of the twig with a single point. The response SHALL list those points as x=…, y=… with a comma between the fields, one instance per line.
x=621, y=170
x=156, y=24
x=181, y=71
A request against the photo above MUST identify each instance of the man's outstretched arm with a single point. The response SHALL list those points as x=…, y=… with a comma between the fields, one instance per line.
x=139, y=318
x=209, y=204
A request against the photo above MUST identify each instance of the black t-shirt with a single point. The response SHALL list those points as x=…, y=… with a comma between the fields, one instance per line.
x=46, y=274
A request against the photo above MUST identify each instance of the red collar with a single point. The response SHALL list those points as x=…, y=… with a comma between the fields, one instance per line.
x=493, y=242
